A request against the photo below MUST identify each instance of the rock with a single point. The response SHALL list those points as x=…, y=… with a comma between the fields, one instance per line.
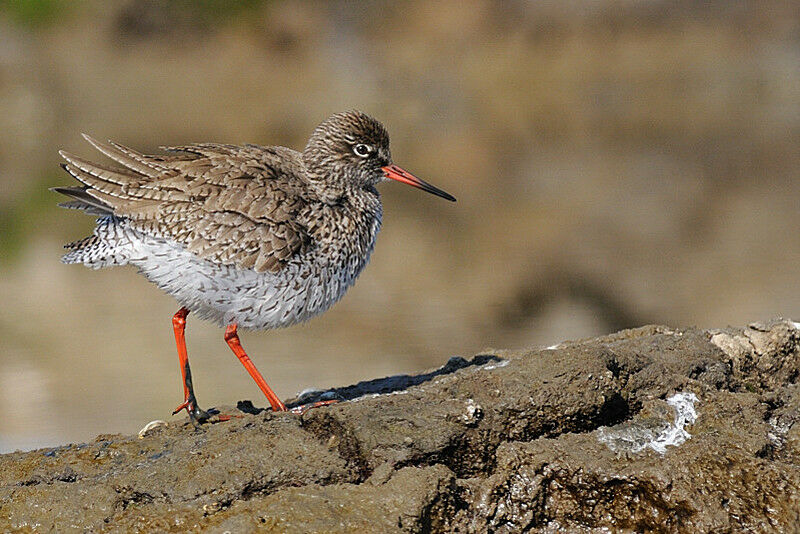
x=651, y=429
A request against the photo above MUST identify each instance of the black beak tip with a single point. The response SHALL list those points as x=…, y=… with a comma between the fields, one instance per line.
x=438, y=192
x=443, y=194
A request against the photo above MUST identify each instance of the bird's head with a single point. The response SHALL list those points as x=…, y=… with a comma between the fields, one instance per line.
x=350, y=151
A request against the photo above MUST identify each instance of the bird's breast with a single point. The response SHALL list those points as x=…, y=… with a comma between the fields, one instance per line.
x=343, y=245
x=341, y=248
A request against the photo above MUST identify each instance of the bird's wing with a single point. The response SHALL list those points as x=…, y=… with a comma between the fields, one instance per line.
x=236, y=205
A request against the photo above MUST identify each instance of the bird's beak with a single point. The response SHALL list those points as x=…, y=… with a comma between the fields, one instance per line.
x=396, y=173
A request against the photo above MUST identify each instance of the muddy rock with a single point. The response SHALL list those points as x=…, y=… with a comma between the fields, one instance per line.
x=652, y=429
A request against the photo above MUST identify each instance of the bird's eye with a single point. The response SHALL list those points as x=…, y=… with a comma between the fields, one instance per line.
x=362, y=150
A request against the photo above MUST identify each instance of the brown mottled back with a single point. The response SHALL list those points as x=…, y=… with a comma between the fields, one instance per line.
x=235, y=205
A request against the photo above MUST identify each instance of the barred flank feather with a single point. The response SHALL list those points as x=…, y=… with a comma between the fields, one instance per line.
x=110, y=245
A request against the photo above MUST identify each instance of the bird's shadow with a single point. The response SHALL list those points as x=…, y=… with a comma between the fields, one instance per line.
x=377, y=386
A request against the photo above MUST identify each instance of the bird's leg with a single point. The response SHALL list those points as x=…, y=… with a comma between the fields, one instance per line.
x=189, y=401
x=232, y=338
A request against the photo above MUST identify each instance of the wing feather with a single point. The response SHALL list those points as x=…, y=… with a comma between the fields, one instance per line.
x=226, y=203
x=127, y=156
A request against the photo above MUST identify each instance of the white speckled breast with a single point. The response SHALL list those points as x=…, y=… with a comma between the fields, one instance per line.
x=307, y=286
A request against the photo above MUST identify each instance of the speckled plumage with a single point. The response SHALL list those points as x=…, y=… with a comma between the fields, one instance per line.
x=246, y=236
x=237, y=234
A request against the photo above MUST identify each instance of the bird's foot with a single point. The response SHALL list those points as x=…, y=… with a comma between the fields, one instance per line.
x=196, y=414
x=303, y=408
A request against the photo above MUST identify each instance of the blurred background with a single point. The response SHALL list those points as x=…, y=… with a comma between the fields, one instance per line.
x=616, y=163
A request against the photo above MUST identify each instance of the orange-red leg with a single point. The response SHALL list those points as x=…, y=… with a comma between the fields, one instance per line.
x=189, y=401
x=232, y=338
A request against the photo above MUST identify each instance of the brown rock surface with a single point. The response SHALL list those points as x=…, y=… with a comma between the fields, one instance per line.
x=582, y=436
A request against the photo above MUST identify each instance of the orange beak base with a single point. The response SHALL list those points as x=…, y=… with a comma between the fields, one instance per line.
x=396, y=173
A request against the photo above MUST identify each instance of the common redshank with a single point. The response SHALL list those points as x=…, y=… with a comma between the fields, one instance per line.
x=247, y=236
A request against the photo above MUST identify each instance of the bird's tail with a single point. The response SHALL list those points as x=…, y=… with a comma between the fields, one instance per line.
x=81, y=200
x=109, y=245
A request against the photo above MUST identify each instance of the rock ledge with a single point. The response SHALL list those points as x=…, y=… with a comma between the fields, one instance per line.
x=574, y=437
